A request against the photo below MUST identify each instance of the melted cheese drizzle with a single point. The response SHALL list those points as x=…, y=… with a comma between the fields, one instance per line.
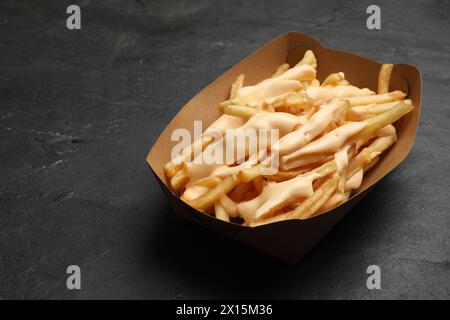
x=275, y=194
x=299, y=141
x=330, y=142
x=223, y=123
x=284, y=122
x=310, y=129
x=322, y=95
x=355, y=181
x=287, y=82
x=341, y=158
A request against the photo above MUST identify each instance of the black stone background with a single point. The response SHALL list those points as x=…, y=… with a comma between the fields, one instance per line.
x=79, y=111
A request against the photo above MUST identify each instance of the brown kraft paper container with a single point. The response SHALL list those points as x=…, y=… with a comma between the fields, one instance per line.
x=289, y=240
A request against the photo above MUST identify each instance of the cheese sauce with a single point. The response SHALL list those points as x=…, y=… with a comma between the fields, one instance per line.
x=287, y=82
x=322, y=95
x=341, y=158
x=355, y=181
x=274, y=195
x=223, y=123
x=330, y=142
x=284, y=122
x=310, y=129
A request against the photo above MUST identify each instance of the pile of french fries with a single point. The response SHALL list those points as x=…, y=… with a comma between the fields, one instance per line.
x=336, y=133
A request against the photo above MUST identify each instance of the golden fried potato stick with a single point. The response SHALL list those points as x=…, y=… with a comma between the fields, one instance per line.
x=333, y=79
x=281, y=69
x=240, y=111
x=312, y=126
x=324, y=170
x=228, y=205
x=369, y=153
x=308, y=58
x=381, y=120
x=297, y=99
x=275, y=218
x=221, y=213
x=172, y=167
x=208, y=199
x=371, y=164
x=267, y=207
x=312, y=204
x=251, y=173
x=384, y=77
x=335, y=200
x=359, y=113
x=179, y=180
x=341, y=182
x=237, y=84
x=305, y=160
x=289, y=174
x=208, y=182
x=376, y=98
x=340, y=116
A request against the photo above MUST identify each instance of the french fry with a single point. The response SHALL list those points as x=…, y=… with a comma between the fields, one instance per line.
x=324, y=170
x=208, y=182
x=228, y=205
x=335, y=200
x=359, y=113
x=294, y=190
x=308, y=58
x=371, y=164
x=221, y=213
x=376, y=98
x=384, y=77
x=275, y=218
x=340, y=116
x=314, y=83
x=172, y=167
x=341, y=182
x=369, y=153
x=303, y=161
x=178, y=181
x=208, y=199
x=289, y=174
x=237, y=84
x=381, y=120
x=296, y=101
x=311, y=205
x=240, y=111
x=225, y=103
x=333, y=79
x=281, y=69
x=251, y=173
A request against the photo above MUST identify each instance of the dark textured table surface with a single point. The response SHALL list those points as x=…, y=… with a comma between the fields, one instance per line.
x=79, y=111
